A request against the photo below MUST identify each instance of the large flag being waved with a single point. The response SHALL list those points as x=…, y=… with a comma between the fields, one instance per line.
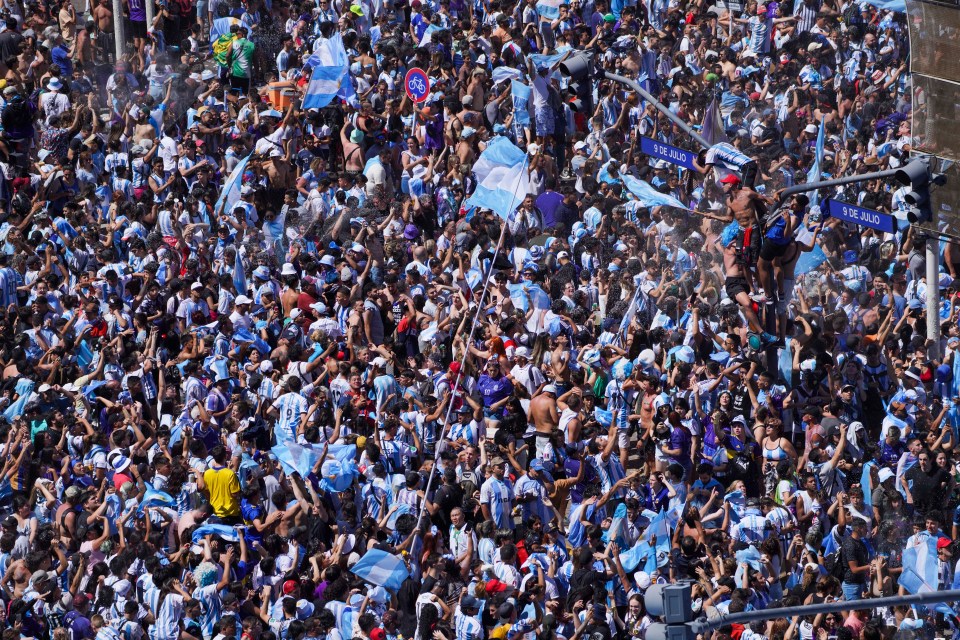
x=428, y=35
x=920, y=566
x=381, y=568
x=549, y=9
x=649, y=196
x=295, y=458
x=500, y=74
x=330, y=65
x=712, y=129
x=502, y=179
x=538, y=297
x=221, y=27
x=231, y=188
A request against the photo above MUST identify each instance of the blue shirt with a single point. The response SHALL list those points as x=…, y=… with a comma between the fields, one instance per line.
x=494, y=389
x=61, y=58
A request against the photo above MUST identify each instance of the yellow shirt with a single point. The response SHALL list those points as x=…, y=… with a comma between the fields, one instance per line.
x=224, y=489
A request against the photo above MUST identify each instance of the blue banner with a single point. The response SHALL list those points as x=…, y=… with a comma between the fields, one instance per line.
x=860, y=216
x=670, y=153
x=520, y=93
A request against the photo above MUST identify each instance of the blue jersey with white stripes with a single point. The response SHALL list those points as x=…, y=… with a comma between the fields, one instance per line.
x=291, y=406
x=498, y=496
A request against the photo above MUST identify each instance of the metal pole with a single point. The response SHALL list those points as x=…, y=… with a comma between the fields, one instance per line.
x=933, y=287
x=703, y=625
x=151, y=13
x=119, y=38
x=811, y=186
x=729, y=22
x=674, y=118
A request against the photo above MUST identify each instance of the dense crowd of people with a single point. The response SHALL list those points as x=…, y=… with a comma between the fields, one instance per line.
x=269, y=374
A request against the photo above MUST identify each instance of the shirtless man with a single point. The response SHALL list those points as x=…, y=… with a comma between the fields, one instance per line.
x=738, y=287
x=650, y=387
x=543, y=415
x=570, y=423
x=745, y=211
x=353, y=159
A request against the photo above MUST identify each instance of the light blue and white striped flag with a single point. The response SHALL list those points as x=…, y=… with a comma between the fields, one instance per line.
x=222, y=531
x=154, y=498
x=221, y=27
x=520, y=94
x=712, y=128
x=920, y=567
x=239, y=275
x=660, y=528
x=649, y=196
x=549, y=9
x=502, y=180
x=428, y=35
x=640, y=553
x=295, y=458
x=330, y=65
x=338, y=474
x=344, y=615
x=381, y=568
x=231, y=188
x=24, y=389
x=518, y=295
x=631, y=311
x=500, y=74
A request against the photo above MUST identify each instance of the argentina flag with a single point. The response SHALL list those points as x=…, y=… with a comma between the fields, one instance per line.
x=549, y=9
x=154, y=498
x=920, y=567
x=502, y=179
x=330, y=65
x=381, y=568
x=231, y=188
x=222, y=531
x=520, y=94
x=221, y=27
x=649, y=196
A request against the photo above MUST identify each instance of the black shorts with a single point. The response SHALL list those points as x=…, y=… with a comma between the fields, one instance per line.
x=772, y=250
x=138, y=29
x=736, y=285
x=236, y=82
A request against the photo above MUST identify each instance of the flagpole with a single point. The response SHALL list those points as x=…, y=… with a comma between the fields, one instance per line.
x=460, y=372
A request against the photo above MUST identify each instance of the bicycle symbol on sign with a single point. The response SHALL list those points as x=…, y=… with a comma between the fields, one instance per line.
x=417, y=85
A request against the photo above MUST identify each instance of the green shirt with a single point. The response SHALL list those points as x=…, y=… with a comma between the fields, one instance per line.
x=241, y=54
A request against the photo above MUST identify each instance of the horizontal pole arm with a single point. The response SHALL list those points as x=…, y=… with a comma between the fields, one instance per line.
x=674, y=118
x=704, y=625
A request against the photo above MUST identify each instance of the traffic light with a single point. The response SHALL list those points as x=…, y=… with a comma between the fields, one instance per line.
x=917, y=175
x=673, y=605
x=578, y=67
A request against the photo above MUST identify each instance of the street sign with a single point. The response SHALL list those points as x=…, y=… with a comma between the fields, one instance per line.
x=860, y=216
x=417, y=84
x=664, y=151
